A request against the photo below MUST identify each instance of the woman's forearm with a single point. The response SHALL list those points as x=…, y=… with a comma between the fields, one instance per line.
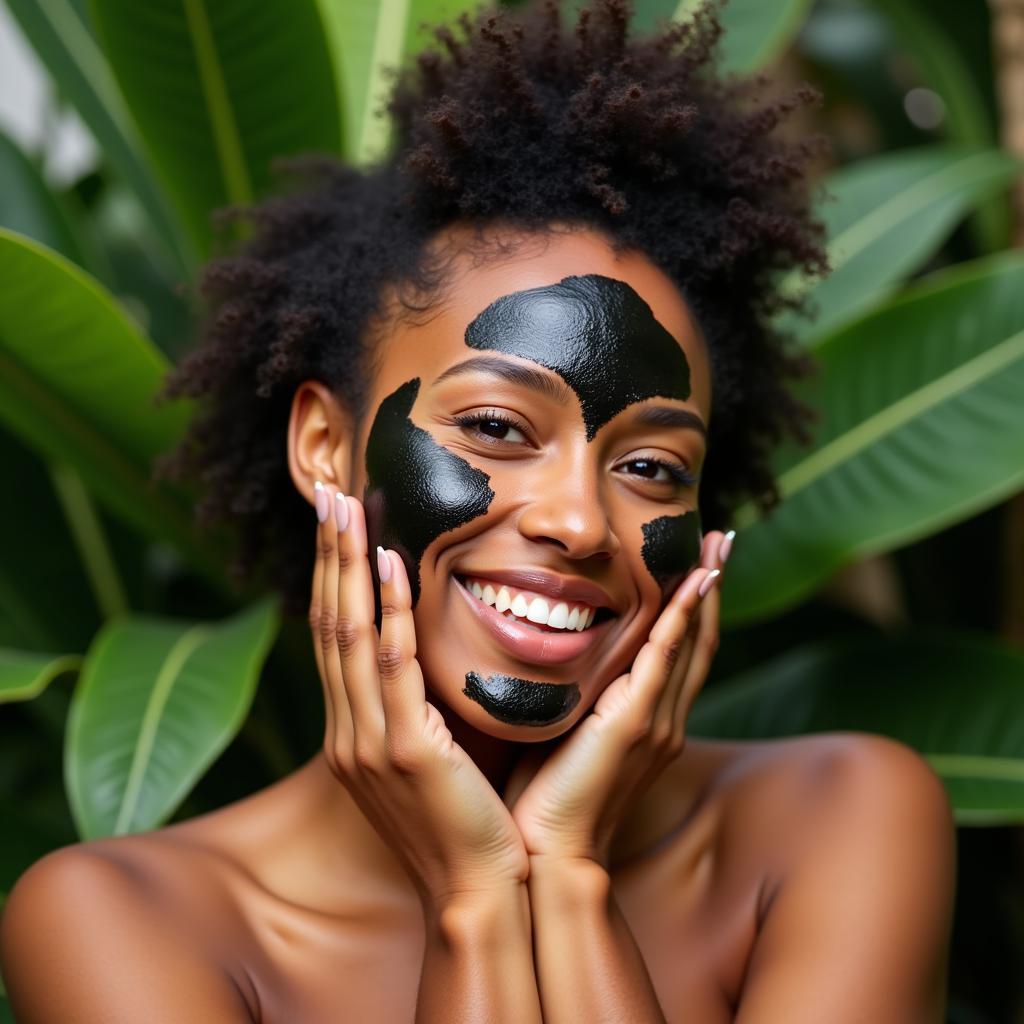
x=478, y=962
x=587, y=962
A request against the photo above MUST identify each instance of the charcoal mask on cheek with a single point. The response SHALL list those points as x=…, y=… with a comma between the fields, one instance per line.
x=416, y=489
x=671, y=548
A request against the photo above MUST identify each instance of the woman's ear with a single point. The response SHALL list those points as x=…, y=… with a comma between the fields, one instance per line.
x=320, y=433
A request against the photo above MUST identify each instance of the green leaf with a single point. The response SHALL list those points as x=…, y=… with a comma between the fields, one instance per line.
x=65, y=45
x=157, y=703
x=922, y=426
x=755, y=32
x=886, y=217
x=368, y=37
x=967, y=121
x=956, y=699
x=29, y=207
x=220, y=89
x=25, y=674
x=77, y=383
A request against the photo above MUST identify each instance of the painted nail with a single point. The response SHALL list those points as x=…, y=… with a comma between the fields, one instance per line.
x=723, y=551
x=320, y=500
x=340, y=512
x=709, y=581
x=383, y=565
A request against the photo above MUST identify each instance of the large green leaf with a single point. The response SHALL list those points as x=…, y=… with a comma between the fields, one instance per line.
x=367, y=38
x=887, y=215
x=922, y=426
x=67, y=48
x=77, y=383
x=220, y=89
x=755, y=32
x=956, y=699
x=157, y=702
x=25, y=674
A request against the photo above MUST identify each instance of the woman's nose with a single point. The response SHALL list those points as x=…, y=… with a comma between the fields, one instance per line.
x=565, y=508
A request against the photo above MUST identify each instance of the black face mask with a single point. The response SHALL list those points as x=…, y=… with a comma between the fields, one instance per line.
x=603, y=340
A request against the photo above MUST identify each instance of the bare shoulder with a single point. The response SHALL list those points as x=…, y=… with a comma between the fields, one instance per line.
x=864, y=772
x=92, y=932
x=855, y=910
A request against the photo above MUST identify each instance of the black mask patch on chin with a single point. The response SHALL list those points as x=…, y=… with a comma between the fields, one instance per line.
x=520, y=701
x=672, y=548
x=415, y=488
x=597, y=334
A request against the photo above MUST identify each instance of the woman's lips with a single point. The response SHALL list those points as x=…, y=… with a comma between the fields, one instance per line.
x=529, y=644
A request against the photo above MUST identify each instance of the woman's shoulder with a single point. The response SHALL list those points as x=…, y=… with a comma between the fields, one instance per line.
x=803, y=771
x=799, y=789
x=127, y=920
x=850, y=834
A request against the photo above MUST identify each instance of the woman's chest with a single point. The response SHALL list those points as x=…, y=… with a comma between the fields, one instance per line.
x=693, y=926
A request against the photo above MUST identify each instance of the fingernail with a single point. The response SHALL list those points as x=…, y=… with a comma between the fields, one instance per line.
x=340, y=512
x=383, y=565
x=320, y=499
x=709, y=581
x=723, y=551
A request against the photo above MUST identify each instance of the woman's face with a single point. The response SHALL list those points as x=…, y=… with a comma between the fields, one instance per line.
x=532, y=452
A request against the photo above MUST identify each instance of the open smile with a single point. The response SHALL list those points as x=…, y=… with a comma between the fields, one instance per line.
x=537, y=642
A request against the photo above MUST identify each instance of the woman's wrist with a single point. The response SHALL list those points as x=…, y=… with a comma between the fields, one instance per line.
x=478, y=961
x=569, y=879
x=476, y=911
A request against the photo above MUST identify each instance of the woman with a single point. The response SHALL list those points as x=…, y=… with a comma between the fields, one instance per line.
x=527, y=342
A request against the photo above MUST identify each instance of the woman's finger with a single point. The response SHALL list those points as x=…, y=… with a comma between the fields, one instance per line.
x=316, y=609
x=403, y=694
x=666, y=646
x=338, y=703
x=355, y=631
x=663, y=716
x=705, y=647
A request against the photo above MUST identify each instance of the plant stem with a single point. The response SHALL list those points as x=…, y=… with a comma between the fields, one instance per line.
x=89, y=538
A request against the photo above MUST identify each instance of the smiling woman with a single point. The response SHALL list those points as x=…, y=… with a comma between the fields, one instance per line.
x=516, y=370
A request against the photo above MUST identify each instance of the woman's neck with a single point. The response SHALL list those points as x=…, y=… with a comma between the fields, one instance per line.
x=495, y=757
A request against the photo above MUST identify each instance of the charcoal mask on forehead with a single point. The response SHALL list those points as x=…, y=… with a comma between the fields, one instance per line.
x=604, y=341
x=597, y=334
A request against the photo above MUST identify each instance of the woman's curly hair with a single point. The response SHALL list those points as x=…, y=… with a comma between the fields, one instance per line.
x=511, y=119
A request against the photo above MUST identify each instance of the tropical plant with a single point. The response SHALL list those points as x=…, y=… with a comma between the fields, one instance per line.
x=120, y=634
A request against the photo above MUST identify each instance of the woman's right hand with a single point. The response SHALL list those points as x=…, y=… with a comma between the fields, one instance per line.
x=389, y=747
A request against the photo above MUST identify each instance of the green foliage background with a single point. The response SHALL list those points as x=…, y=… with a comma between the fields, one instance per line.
x=872, y=599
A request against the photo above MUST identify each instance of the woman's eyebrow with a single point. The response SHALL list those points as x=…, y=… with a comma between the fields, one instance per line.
x=548, y=385
x=670, y=416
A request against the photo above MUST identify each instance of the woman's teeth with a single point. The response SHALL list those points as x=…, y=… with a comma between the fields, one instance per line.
x=513, y=604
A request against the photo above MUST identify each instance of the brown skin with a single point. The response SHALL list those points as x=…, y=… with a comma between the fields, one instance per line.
x=429, y=870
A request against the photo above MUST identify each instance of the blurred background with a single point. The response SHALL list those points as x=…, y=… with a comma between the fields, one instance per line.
x=138, y=685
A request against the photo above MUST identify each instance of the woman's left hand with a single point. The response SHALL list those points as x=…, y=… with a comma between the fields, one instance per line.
x=573, y=805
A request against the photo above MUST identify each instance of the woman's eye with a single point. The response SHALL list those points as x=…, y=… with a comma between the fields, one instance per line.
x=501, y=430
x=496, y=428
x=648, y=468
x=660, y=472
